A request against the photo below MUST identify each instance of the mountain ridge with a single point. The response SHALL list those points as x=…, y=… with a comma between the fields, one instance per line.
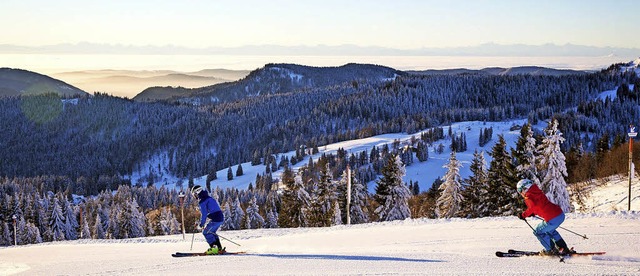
x=20, y=82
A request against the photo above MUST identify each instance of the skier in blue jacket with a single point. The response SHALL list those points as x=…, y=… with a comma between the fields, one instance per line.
x=209, y=209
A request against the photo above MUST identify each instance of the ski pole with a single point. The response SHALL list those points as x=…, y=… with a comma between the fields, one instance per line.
x=192, y=237
x=565, y=229
x=534, y=231
x=229, y=240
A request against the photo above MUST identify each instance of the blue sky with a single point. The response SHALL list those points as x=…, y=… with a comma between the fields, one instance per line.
x=394, y=24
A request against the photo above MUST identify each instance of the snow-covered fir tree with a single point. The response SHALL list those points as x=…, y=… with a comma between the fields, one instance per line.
x=254, y=219
x=553, y=168
x=131, y=220
x=337, y=214
x=168, y=223
x=450, y=198
x=56, y=223
x=4, y=234
x=98, y=229
x=501, y=197
x=525, y=155
x=28, y=233
x=295, y=201
x=43, y=218
x=237, y=215
x=476, y=187
x=272, y=219
x=71, y=222
x=85, y=233
x=392, y=194
x=226, y=210
x=324, y=198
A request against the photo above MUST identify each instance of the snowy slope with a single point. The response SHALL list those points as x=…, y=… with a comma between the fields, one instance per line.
x=409, y=247
x=422, y=172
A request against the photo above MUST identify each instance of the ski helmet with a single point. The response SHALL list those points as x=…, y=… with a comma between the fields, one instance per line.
x=195, y=190
x=523, y=185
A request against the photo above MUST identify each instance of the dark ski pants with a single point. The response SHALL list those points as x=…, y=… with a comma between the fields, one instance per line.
x=209, y=231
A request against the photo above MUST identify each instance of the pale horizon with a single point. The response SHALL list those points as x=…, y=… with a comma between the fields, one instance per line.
x=408, y=24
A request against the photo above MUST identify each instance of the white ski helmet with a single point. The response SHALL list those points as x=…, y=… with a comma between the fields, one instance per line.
x=195, y=190
x=523, y=185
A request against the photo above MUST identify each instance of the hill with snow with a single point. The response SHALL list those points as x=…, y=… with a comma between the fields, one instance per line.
x=425, y=173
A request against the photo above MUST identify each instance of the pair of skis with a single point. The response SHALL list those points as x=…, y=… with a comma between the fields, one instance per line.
x=194, y=254
x=519, y=253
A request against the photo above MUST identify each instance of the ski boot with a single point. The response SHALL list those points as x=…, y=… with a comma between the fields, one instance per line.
x=550, y=252
x=212, y=251
x=563, y=249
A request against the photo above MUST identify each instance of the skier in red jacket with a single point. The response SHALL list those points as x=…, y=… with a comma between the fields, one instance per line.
x=552, y=215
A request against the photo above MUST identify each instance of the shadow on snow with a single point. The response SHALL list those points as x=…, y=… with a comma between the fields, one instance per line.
x=344, y=257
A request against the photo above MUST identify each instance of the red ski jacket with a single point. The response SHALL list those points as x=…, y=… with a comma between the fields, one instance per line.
x=538, y=204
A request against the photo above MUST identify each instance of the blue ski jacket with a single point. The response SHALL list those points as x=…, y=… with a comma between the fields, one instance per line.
x=209, y=208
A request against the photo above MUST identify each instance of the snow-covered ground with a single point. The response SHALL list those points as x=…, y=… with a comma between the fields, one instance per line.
x=409, y=247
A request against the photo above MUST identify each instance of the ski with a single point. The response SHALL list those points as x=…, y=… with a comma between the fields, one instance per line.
x=193, y=254
x=520, y=253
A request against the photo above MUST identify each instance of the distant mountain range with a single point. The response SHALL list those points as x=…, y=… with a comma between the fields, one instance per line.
x=487, y=49
x=216, y=85
x=522, y=70
x=129, y=82
x=18, y=82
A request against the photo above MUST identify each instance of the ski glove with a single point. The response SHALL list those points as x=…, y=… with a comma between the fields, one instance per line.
x=521, y=216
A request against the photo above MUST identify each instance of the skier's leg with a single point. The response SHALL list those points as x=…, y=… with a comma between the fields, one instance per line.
x=210, y=233
x=546, y=232
x=543, y=236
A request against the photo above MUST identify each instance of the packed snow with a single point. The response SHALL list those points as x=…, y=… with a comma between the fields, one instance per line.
x=408, y=247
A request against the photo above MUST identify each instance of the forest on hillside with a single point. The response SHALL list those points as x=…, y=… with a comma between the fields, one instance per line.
x=103, y=135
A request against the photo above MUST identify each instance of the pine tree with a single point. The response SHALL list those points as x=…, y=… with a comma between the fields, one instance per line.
x=57, y=223
x=337, y=214
x=422, y=151
x=450, y=198
x=254, y=219
x=325, y=198
x=239, y=171
x=476, y=187
x=229, y=174
x=5, y=235
x=85, y=232
x=553, y=167
x=295, y=201
x=237, y=215
x=71, y=222
x=392, y=194
x=501, y=198
x=272, y=219
x=525, y=155
x=98, y=229
x=131, y=221
x=168, y=223
x=227, y=224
